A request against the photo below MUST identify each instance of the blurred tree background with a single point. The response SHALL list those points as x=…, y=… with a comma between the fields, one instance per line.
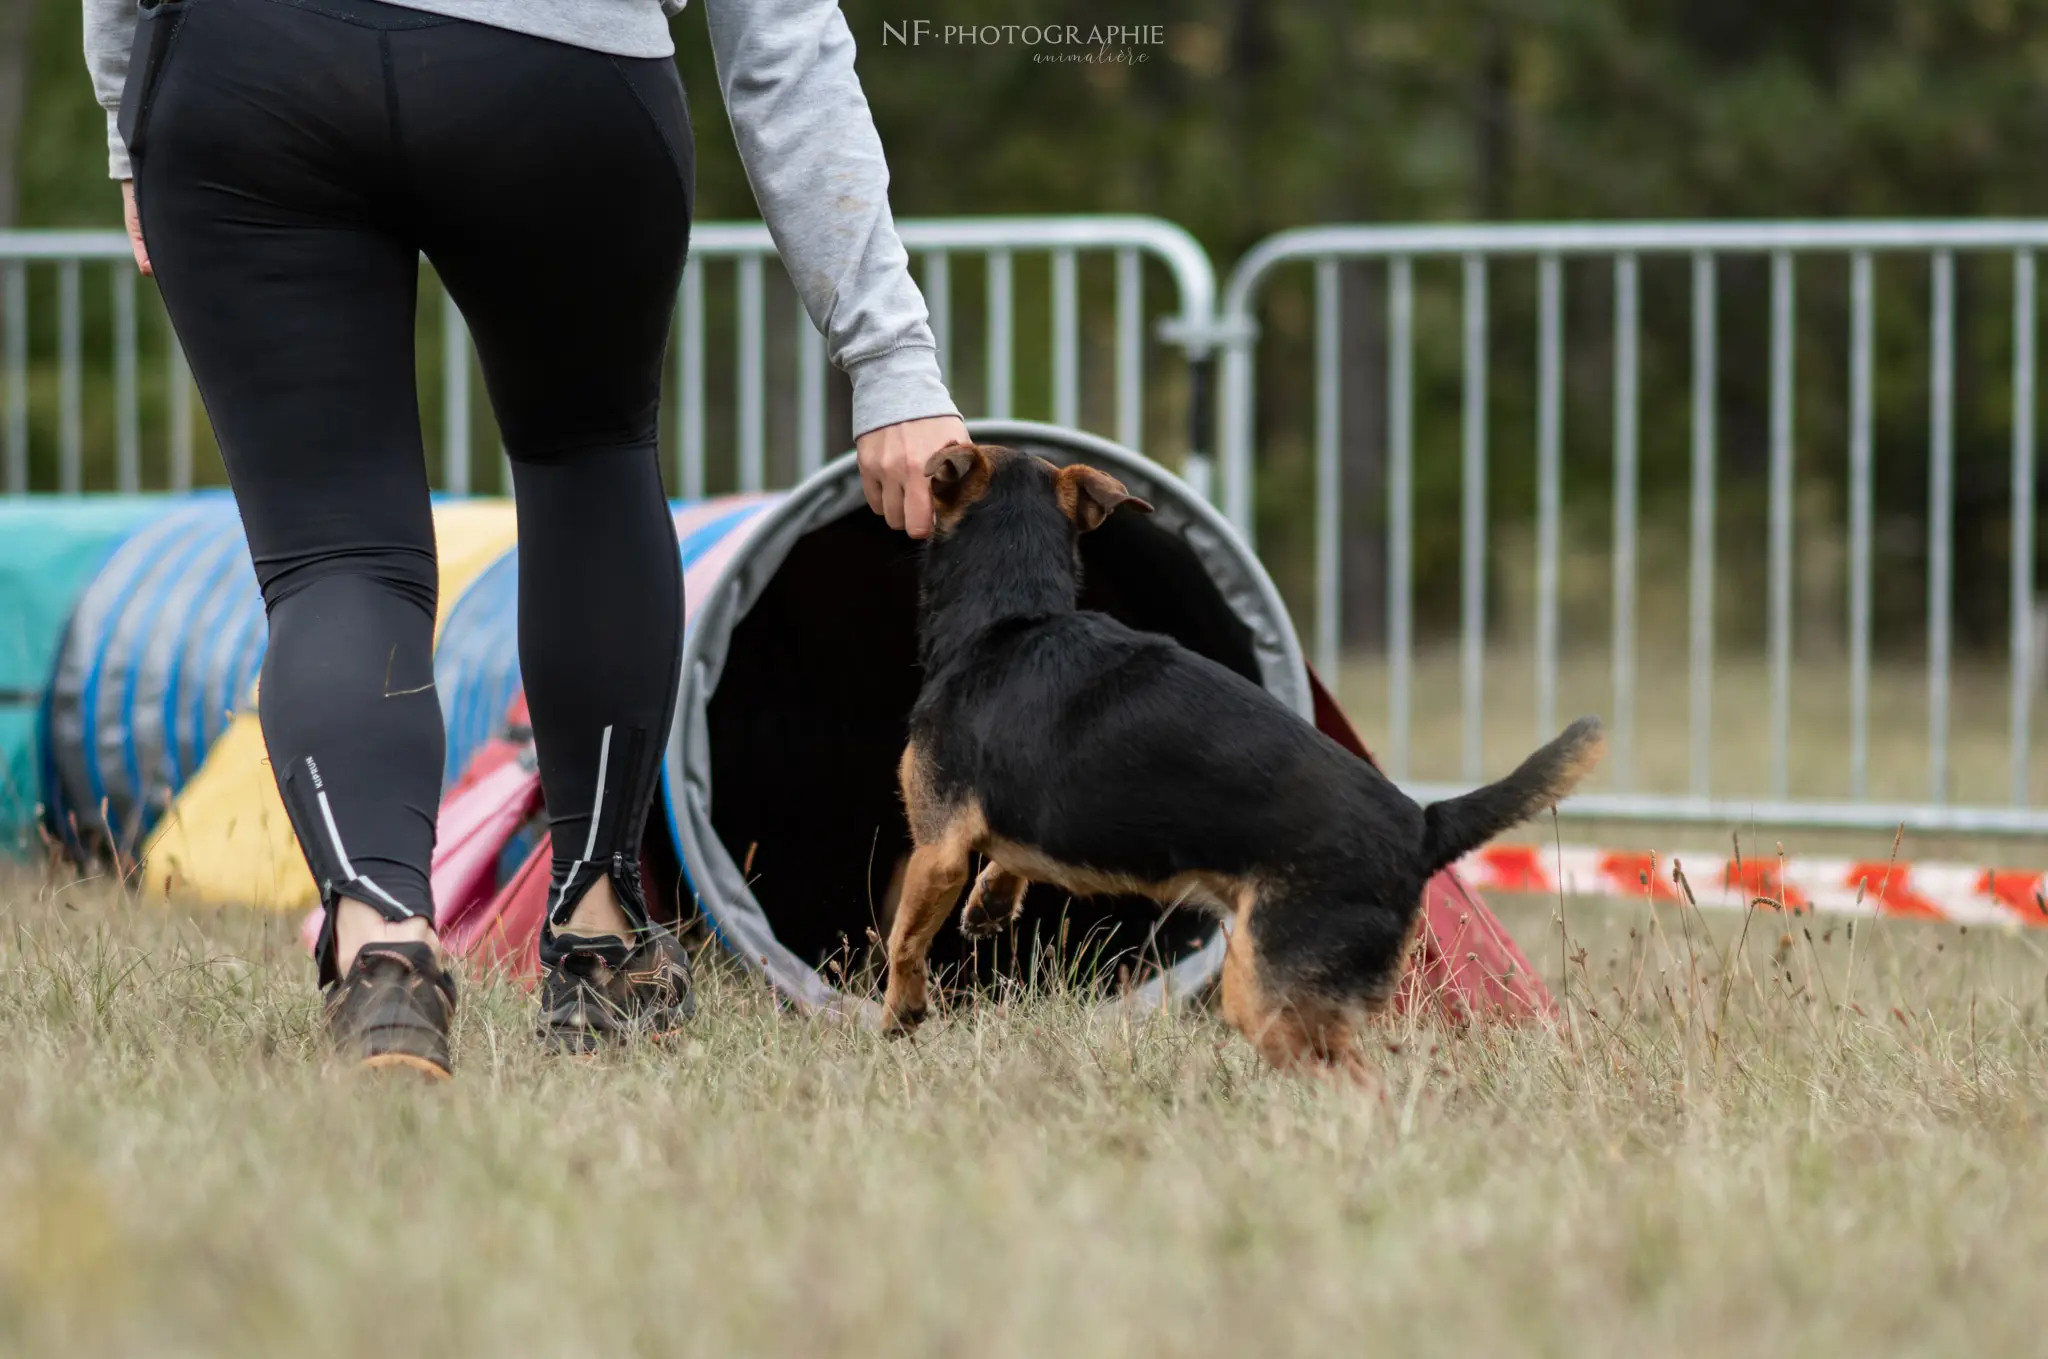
x=1257, y=115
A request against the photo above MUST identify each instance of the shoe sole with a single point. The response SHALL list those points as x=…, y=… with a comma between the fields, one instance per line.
x=406, y=1061
x=562, y=1044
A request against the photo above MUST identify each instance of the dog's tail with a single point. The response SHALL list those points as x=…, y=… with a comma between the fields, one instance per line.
x=1458, y=825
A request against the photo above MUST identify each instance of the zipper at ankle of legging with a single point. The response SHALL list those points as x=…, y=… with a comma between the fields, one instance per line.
x=631, y=790
x=628, y=889
x=312, y=819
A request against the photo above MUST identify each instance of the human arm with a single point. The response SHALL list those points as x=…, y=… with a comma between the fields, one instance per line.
x=109, y=33
x=815, y=161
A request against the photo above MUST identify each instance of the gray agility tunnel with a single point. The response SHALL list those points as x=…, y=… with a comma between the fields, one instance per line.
x=799, y=672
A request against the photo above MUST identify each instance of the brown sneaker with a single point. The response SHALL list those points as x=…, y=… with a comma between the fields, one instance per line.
x=393, y=1010
x=601, y=988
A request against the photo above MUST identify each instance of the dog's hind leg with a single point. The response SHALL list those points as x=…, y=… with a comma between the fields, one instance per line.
x=997, y=897
x=1296, y=1030
x=937, y=873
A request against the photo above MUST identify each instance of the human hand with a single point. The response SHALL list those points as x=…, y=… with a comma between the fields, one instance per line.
x=892, y=461
x=131, y=220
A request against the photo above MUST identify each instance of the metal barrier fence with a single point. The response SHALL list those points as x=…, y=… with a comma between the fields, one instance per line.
x=1478, y=249
x=968, y=268
x=952, y=256
x=66, y=254
x=935, y=245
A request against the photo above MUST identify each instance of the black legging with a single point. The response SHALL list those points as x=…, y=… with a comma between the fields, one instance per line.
x=293, y=160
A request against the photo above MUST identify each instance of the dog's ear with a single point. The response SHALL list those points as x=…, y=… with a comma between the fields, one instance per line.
x=1088, y=497
x=956, y=471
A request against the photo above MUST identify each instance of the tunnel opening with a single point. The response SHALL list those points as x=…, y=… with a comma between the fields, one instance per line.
x=808, y=721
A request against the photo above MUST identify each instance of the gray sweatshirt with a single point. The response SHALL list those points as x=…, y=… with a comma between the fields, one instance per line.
x=805, y=135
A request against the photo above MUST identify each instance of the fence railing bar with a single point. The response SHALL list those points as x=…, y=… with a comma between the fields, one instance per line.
x=1239, y=421
x=455, y=433
x=752, y=397
x=1940, y=519
x=690, y=385
x=14, y=303
x=70, y=398
x=1549, y=476
x=1879, y=817
x=1066, y=339
x=1329, y=484
x=1400, y=509
x=1172, y=245
x=1537, y=239
x=127, y=419
x=1862, y=303
x=1783, y=283
x=1001, y=333
x=810, y=395
x=1130, y=348
x=41, y=245
x=1700, y=605
x=127, y=407
x=2022, y=522
x=1472, y=511
x=1625, y=458
x=938, y=301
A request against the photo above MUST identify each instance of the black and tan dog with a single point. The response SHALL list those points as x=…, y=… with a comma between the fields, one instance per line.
x=1070, y=749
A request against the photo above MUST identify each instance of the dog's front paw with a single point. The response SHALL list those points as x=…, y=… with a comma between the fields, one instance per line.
x=903, y=1007
x=977, y=922
x=901, y=1021
x=992, y=903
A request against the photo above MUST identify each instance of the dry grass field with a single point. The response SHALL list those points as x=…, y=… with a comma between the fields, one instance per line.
x=1777, y=1137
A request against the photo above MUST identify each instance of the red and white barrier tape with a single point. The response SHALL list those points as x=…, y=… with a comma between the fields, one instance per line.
x=1959, y=893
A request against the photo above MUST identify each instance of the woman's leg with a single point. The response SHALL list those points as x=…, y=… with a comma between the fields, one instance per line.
x=264, y=186
x=559, y=216
x=298, y=157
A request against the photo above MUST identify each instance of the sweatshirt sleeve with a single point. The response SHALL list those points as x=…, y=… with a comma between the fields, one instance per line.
x=109, y=33
x=815, y=160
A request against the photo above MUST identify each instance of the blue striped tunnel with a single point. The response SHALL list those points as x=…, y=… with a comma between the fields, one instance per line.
x=160, y=650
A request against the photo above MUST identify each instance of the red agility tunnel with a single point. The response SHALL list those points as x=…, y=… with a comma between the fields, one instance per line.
x=780, y=819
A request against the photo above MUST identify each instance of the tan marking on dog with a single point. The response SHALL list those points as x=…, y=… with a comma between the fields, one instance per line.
x=1584, y=760
x=1089, y=496
x=1067, y=493
x=945, y=837
x=1295, y=1030
x=913, y=780
x=960, y=474
x=1580, y=761
x=1215, y=892
x=937, y=873
x=1403, y=977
